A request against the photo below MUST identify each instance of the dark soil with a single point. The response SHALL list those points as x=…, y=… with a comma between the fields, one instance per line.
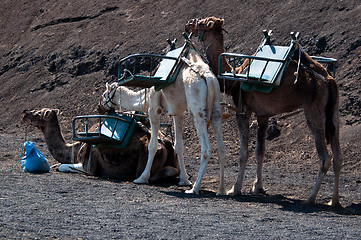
x=59, y=54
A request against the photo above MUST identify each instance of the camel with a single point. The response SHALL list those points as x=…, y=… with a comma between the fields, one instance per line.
x=315, y=91
x=196, y=89
x=124, y=164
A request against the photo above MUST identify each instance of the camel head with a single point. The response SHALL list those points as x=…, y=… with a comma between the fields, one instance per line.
x=40, y=118
x=108, y=104
x=198, y=27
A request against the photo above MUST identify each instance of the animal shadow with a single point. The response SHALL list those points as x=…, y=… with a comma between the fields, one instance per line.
x=285, y=203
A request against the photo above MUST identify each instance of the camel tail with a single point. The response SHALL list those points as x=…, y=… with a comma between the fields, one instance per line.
x=200, y=70
x=331, y=107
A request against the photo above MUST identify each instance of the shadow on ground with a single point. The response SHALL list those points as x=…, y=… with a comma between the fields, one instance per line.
x=285, y=203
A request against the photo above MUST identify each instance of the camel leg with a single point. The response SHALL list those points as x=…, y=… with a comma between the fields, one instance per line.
x=206, y=150
x=243, y=125
x=179, y=148
x=260, y=151
x=217, y=126
x=337, y=165
x=317, y=127
x=152, y=146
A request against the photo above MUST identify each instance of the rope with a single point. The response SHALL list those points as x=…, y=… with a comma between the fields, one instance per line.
x=21, y=153
x=299, y=62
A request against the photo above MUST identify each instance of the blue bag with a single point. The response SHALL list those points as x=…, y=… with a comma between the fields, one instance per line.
x=34, y=161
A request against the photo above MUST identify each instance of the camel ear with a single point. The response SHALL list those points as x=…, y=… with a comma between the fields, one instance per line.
x=47, y=113
x=57, y=111
x=221, y=21
x=210, y=24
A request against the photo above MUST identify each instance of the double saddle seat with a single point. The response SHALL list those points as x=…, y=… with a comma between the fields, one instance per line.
x=165, y=73
x=115, y=130
x=266, y=67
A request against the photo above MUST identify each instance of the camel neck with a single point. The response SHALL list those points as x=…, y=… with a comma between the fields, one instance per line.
x=56, y=143
x=214, y=47
x=134, y=101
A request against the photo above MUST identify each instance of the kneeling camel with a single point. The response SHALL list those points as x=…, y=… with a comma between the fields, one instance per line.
x=125, y=164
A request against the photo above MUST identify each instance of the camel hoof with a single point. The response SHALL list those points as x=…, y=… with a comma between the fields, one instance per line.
x=221, y=193
x=140, y=181
x=185, y=183
x=310, y=202
x=232, y=192
x=259, y=191
x=191, y=191
x=334, y=204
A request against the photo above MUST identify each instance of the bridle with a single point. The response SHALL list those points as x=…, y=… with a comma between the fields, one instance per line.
x=197, y=28
x=109, y=102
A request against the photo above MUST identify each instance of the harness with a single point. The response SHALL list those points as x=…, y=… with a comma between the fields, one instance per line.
x=109, y=99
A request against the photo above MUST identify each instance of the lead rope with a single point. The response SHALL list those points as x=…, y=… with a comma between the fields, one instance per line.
x=21, y=152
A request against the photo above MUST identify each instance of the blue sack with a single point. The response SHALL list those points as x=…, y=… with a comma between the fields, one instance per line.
x=34, y=161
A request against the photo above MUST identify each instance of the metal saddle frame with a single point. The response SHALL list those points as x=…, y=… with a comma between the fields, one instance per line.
x=138, y=70
x=266, y=66
x=115, y=130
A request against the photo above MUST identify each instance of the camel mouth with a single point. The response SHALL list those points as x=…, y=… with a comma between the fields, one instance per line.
x=192, y=27
x=198, y=26
x=25, y=119
x=30, y=118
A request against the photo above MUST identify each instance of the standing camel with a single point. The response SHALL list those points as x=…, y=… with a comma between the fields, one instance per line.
x=124, y=164
x=315, y=91
x=196, y=89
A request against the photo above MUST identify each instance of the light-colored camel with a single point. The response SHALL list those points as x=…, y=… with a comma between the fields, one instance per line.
x=315, y=91
x=124, y=164
x=195, y=88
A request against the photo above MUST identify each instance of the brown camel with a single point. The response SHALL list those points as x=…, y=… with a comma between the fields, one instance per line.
x=315, y=91
x=124, y=164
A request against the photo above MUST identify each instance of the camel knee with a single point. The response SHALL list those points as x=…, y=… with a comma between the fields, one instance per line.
x=222, y=155
x=326, y=164
x=207, y=152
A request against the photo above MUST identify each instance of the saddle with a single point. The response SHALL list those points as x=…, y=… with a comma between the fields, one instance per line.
x=137, y=70
x=266, y=67
x=115, y=130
